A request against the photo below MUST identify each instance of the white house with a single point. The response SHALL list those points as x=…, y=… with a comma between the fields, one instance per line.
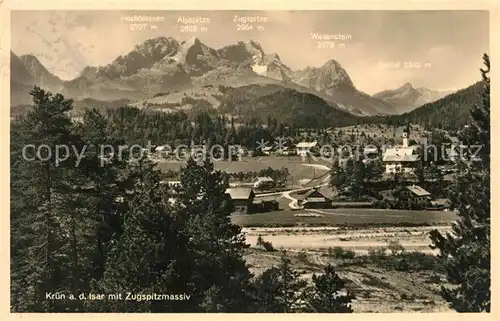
x=286, y=151
x=161, y=148
x=304, y=148
x=370, y=151
x=262, y=182
x=403, y=158
x=267, y=150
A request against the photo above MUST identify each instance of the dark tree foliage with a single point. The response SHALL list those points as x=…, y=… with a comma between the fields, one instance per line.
x=466, y=253
x=325, y=295
x=45, y=219
x=150, y=256
x=279, y=289
x=140, y=127
x=218, y=267
x=286, y=106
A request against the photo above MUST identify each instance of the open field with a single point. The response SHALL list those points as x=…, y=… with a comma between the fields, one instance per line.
x=376, y=289
x=352, y=217
x=298, y=168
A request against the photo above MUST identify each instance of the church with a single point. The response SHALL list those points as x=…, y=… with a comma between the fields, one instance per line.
x=403, y=157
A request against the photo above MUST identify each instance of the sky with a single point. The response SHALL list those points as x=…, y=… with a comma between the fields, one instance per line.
x=448, y=45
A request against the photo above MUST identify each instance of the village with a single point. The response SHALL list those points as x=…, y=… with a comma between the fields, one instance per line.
x=307, y=175
x=356, y=205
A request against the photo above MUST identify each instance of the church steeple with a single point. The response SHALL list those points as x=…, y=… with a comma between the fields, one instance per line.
x=406, y=135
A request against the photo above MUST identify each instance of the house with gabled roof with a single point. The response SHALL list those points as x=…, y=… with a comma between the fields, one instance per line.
x=315, y=199
x=413, y=195
x=241, y=198
x=263, y=182
x=305, y=148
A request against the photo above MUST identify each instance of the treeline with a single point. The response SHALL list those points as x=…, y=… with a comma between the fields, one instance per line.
x=353, y=180
x=287, y=105
x=80, y=228
x=137, y=126
x=279, y=175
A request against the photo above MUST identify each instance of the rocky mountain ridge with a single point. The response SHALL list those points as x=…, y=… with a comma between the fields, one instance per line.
x=165, y=64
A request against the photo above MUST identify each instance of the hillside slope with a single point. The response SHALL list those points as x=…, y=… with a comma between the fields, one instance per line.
x=286, y=105
x=450, y=112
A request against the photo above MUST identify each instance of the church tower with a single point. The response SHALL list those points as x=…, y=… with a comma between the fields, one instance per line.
x=406, y=135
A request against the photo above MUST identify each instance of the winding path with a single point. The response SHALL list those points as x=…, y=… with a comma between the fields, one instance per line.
x=294, y=204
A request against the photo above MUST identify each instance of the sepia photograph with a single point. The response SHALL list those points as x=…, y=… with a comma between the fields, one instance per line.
x=230, y=161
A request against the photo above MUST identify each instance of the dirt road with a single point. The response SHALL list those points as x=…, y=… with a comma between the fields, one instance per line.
x=360, y=241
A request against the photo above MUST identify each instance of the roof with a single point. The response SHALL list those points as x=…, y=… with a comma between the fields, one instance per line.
x=399, y=149
x=264, y=179
x=313, y=195
x=401, y=158
x=161, y=148
x=171, y=183
x=373, y=149
x=306, y=144
x=240, y=193
x=417, y=190
x=441, y=201
x=315, y=200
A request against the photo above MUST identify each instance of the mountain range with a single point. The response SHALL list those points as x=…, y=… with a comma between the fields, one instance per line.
x=183, y=68
x=406, y=98
x=450, y=112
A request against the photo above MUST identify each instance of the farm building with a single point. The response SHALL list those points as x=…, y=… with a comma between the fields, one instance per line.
x=413, y=194
x=442, y=203
x=267, y=150
x=305, y=148
x=163, y=149
x=286, y=151
x=239, y=151
x=263, y=182
x=265, y=205
x=242, y=199
x=370, y=152
x=315, y=199
x=171, y=183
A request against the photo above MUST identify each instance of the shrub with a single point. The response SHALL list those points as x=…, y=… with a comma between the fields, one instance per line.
x=341, y=253
x=395, y=248
x=376, y=253
x=302, y=256
x=267, y=246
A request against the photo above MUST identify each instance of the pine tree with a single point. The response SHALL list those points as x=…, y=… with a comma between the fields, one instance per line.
x=466, y=253
x=150, y=256
x=42, y=200
x=338, y=176
x=217, y=243
x=104, y=185
x=279, y=289
x=326, y=293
